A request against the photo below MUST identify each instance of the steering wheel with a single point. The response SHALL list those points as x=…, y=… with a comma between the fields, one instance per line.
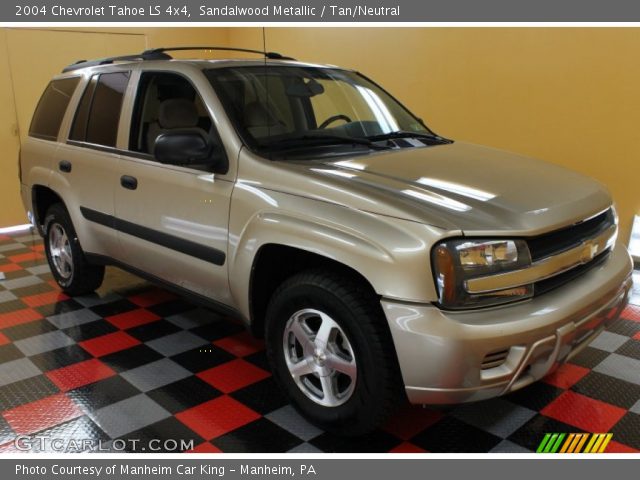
x=334, y=118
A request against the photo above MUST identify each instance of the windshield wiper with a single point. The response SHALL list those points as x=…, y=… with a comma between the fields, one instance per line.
x=408, y=134
x=314, y=140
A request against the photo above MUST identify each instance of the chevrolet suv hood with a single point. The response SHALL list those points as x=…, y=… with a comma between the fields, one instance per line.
x=466, y=187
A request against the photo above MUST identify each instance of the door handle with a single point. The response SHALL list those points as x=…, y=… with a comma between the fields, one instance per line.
x=129, y=182
x=64, y=166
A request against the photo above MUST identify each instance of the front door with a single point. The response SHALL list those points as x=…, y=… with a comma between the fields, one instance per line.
x=172, y=220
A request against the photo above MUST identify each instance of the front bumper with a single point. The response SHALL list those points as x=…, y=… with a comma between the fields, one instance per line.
x=441, y=353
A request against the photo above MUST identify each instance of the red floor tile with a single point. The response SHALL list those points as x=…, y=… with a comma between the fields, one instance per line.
x=18, y=317
x=106, y=344
x=615, y=447
x=10, y=267
x=131, y=319
x=566, y=375
x=240, y=345
x=80, y=374
x=637, y=336
x=205, y=447
x=583, y=412
x=44, y=298
x=632, y=312
x=411, y=420
x=217, y=417
x=3, y=339
x=152, y=297
x=38, y=248
x=42, y=414
x=26, y=257
x=233, y=375
x=407, y=447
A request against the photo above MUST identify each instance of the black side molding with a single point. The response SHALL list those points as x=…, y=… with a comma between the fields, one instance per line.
x=193, y=249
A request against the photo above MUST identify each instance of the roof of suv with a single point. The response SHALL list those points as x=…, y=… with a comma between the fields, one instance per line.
x=160, y=54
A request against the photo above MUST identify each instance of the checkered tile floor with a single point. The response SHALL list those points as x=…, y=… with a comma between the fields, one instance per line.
x=134, y=362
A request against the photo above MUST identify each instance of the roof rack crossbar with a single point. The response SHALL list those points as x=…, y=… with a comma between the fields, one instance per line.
x=160, y=54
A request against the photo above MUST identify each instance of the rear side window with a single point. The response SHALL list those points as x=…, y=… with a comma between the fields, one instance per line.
x=51, y=108
x=98, y=113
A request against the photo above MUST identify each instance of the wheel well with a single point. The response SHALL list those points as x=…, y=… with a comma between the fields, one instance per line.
x=42, y=198
x=273, y=264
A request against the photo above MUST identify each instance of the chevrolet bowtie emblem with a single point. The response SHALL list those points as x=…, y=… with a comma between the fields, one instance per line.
x=589, y=250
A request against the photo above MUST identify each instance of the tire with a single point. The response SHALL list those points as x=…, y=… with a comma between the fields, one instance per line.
x=66, y=259
x=359, y=399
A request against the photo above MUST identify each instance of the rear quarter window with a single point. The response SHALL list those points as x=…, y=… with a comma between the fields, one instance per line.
x=98, y=113
x=51, y=108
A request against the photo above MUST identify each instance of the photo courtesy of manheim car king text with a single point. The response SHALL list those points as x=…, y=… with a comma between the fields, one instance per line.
x=319, y=239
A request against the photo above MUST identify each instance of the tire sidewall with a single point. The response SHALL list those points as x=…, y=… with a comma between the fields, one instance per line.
x=301, y=296
x=57, y=215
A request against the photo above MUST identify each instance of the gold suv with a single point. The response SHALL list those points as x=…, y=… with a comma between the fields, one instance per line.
x=379, y=260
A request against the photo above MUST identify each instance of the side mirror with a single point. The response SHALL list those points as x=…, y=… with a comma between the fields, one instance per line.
x=186, y=148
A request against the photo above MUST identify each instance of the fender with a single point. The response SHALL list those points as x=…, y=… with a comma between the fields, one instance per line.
x=392, y=254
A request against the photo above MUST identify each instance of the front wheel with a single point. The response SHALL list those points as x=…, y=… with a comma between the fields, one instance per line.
x=331, y=351
x=66, y=259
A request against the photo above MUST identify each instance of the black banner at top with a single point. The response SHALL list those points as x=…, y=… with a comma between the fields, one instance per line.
x=319, y=11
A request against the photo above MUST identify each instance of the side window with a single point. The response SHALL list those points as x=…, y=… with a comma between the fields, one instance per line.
x=165, y=102
x=98, y=113
x=51, y=108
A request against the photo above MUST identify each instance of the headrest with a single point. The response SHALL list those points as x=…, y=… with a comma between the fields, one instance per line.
x=177, y=113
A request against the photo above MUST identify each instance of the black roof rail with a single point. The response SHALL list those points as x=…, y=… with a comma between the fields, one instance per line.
x=160, y=54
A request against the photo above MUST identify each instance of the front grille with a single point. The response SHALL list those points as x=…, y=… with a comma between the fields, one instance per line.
x=560, y=240
x=494, y=359
x=544, y=286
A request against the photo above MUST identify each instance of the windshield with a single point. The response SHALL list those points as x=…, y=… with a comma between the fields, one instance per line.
x=275, y=108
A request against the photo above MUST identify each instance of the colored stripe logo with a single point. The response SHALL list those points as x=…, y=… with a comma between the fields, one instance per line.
x=574, y=443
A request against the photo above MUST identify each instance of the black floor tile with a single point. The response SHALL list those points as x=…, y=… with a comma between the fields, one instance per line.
x=624, y=327
x=26, y=391
x=377, y=441
x=183, y=394
x=172, y=307
x=197, y=361
x=69, y=437
x=630, y=349
x=113, y=308
x=627, y=430
x=131, y=358
x=259, y=436
x=9, y=352
x=536, y=396
x=451, y=435
x=30, y=329
x=65, y=306
x=166, y=436
x=217, y=330
x=87, y=331
x=608, y=389
x=153, y=330
x=531, y=433
x=61, y=357
x=589, y=357
x=263, y=396
x=103, y=393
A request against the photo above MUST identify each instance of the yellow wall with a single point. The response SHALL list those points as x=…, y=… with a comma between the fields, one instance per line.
x=30, y=57
x=566, y=95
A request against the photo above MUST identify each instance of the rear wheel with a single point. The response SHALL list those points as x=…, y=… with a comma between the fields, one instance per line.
x=331, y=351
x=66, y=259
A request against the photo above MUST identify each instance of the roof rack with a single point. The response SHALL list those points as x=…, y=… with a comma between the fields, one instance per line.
x=160, y=54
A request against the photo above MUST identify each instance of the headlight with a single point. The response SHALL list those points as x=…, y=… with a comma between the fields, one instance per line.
x=456, y=261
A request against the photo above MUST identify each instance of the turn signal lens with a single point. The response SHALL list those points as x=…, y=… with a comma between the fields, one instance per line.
x=456, y=261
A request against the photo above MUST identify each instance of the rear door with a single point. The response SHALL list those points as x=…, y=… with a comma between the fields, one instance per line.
x=86, y=166
x=173, y=220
